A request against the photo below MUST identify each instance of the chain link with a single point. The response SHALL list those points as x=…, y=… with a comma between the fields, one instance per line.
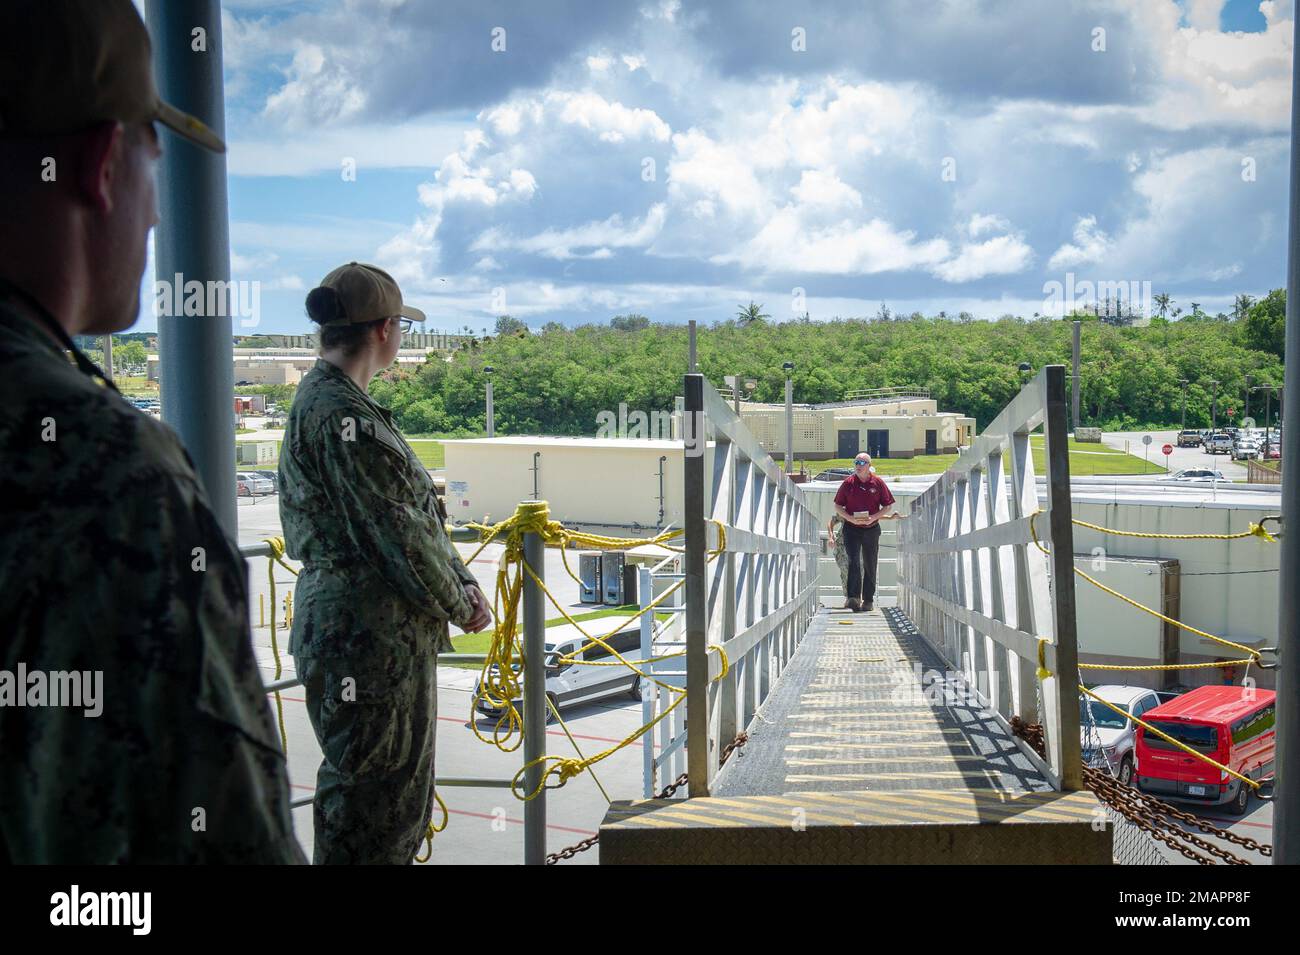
x=666, y=793
x=1149, y=813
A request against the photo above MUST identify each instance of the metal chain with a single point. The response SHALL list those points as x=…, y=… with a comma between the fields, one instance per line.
x=666, y=793
x=1149, y=813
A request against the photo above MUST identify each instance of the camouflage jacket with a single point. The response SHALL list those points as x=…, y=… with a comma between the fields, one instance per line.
x=380, y=575
x=112, y=562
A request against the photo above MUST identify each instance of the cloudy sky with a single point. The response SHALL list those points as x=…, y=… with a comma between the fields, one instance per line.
x=569, y=160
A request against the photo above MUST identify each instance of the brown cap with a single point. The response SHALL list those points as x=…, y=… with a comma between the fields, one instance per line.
x=367, y=294
x=68, y=64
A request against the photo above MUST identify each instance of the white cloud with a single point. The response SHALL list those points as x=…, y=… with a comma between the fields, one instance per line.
x=979, y=224
x=1002, y=255
x=787, y=244
x=598, y=238
x=1090, y=245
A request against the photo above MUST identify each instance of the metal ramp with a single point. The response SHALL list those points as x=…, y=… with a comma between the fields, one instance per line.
x=846, y=764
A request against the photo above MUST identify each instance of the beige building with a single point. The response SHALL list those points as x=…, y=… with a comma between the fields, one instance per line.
x=885, y=422
x=607, y=485
x=295, y=355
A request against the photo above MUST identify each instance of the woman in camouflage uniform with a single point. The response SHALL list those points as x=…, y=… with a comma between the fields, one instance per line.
x=380, y=580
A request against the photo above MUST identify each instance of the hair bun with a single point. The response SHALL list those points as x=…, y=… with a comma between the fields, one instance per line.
x=324, y=305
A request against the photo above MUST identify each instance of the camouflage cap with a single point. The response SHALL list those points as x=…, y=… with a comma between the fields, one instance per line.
x=68, y=64
x=367, y=294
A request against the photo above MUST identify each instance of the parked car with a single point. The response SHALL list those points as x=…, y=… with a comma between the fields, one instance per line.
x=256, y=484
x=1194, y=476
x=272, y=476
x=833, y=474
x=1245, y=450
x=1232, y=725
x=1189, y=439
x=1218, y=443
x=1106, y=738
x=568, y=684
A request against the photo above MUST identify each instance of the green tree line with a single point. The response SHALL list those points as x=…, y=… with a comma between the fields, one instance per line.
x=557, y=380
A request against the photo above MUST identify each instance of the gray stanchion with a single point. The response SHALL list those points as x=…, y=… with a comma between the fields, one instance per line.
x=534, y=699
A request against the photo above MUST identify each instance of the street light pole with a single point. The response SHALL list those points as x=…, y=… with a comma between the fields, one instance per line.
x=789, y=416
x=1214, y=407
x=1183, y=382
x=1249, y=379
x=491, y=416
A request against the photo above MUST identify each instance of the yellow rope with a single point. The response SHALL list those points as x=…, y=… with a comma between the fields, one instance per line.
x=565, y=768
x=1254, y=654
x=432, y=830
x=276, y=544
x=1254, y=530
x=1169, y=666
x=499, y=681
x=1043, y=672
x=1165, y=736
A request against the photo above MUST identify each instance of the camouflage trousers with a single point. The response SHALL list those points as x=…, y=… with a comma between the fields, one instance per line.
x=842, y=561
x=375, y=721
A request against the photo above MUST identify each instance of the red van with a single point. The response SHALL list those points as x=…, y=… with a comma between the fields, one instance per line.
x=1230, y=724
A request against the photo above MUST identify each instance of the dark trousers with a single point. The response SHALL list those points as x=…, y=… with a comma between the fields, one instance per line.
x=374, y=720
x=862, y=545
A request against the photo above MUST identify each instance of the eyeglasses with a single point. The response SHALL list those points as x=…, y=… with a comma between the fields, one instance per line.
x=407, y=324
x=861, y=464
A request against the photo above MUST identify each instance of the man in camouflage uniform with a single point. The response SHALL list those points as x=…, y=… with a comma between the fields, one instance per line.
x=111, y=561
x=380, y=581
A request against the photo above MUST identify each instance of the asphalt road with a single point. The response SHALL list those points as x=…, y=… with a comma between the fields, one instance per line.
x=1180, y=458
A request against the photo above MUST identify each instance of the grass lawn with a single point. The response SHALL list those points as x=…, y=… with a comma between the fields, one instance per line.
x=1086, y=460
x=138, y=387
x=479, y=642
x=430, y=452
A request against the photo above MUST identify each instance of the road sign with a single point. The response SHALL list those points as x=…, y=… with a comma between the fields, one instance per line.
x=1146, y=439
x=1167, y=450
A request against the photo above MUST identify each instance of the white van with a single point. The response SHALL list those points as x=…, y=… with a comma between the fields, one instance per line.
x=573, y=683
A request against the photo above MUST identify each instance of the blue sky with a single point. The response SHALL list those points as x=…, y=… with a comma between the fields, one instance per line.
x=678, y=158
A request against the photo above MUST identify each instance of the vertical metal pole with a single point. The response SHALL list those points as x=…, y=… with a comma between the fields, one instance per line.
x=1063, y=605
x=491, y=414
x=691, y=363
x=192, y=243
x=1074, y=387
x=1286, y=811
x=1214, y=407
x=108, y=357
x=645, y=595
x=789, y=423
x=697, y=593
x=1246, y=410
x=534, y=699
x=1183, y=382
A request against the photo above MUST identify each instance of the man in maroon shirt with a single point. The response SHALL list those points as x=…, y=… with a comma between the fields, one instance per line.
x=863, y=501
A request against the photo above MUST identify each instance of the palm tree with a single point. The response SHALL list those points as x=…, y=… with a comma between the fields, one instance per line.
x=1162, y=303
x=751, y=313
x=1241, y=305
x=1196, y=310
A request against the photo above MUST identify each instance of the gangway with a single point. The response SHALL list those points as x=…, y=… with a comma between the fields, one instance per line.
x=886, y=736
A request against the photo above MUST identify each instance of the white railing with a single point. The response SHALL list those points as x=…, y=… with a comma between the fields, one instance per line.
x=975, y=584
x=756, y=597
